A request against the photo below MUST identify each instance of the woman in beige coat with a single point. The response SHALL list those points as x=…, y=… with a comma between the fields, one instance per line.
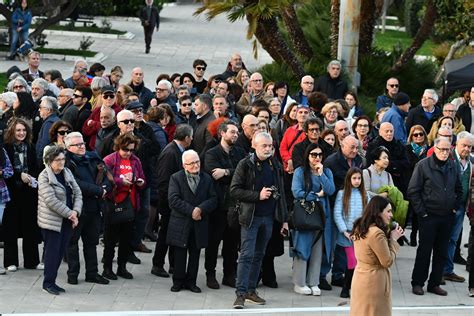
x=375, y=251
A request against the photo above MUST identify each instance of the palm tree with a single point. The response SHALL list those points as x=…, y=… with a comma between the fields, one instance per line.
x=295, y=32
x=261, y=16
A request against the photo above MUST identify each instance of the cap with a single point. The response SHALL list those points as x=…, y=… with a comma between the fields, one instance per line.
x=107, y=89
x=133, y=105
x=401, y=99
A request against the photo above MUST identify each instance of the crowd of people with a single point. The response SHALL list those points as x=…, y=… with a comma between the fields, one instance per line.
x=203, y=161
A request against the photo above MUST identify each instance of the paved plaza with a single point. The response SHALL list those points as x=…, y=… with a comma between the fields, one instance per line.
x=183, y=38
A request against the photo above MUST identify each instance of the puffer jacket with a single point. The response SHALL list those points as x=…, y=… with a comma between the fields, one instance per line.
x=52, y=206
x=242, y=189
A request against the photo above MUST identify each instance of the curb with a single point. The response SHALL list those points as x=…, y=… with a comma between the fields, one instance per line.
x=126, y=36
x=99, y=57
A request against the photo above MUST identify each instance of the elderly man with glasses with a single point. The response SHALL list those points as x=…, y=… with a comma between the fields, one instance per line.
x=426, y=113
x=89, y=172
x=255, y=87
x=391, y=89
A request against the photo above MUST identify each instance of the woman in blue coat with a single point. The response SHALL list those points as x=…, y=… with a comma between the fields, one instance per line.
x=312, y=182
x=21, y=21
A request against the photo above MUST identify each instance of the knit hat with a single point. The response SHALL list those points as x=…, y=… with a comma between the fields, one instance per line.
x=401, y=99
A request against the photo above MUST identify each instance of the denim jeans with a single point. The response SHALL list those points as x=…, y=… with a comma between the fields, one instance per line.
x=254, y=240
x=458, y=221
x=23, y=36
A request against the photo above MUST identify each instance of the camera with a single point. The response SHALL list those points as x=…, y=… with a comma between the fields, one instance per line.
x=275, y=194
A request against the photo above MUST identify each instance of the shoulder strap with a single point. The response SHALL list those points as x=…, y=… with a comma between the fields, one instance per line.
x=296, y=137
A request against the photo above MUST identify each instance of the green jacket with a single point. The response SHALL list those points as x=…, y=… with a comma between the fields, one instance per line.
x=400, y=205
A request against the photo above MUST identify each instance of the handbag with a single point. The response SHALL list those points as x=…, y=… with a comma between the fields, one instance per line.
x=122, y=212
x=307, y=215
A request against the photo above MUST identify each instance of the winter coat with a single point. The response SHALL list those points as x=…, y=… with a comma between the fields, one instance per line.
x=52, y=208
x=400, y=206
x=182, y=202
x=396, y=117
x=293, y=136
x=432, y=191
x=201, y=134
x=242, y=189
x=326, y=183
x=371, y=293
x=416, y=116
x=85, y=170
x=333, y=88
x=43, y=136
x=169, y=162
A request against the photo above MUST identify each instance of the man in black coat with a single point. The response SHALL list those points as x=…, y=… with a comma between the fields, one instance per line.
x=220, y=163
x=426, y=113
x=150, y=18
x=192, y=198
x=435, y=192
x=169, y=162
x=202, y=107
x=89, y=172
x=331, y=83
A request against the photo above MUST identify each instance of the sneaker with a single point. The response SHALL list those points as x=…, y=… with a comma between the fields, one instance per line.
x=324, y=285
x=471, y=292
x=315, y=290
x=3, y=271
x=254, y=298
x=40, y=266
x=239, y=302
x=454, y=277
x=305, y=290
x=12, y=268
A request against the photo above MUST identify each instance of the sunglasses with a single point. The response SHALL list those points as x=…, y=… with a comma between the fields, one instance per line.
x=201, y=68
x=62, y=133
x=393, y=85
x=186, y=104
x=126, y=122
x=418, y=134
x=139, y=110
x=313, y=130
x=107, y=96
x=315, y=155
x=79, y=96
x=18, y=87
x=128, y=150
x=77, y=145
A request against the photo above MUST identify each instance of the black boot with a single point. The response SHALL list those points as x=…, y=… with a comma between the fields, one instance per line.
x=345, y=293
x=109, y=274
x=123, y=272
x=211, y=280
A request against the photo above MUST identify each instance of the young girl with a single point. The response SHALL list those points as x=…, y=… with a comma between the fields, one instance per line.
x=350, y=204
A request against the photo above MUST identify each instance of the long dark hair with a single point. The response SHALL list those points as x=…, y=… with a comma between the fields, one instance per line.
x=346, y=198
x=307, y=168
x=27, y=107
x=370, y=217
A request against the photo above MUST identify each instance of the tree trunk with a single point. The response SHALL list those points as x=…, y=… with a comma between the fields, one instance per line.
x=368, y=18
x=6, y=13
x=295, y=32
x=55, y=19
x=335, y=11
x=421, y=36
x=269, y=36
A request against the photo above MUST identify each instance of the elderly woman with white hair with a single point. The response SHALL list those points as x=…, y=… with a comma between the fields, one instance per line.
x=18, y=84
x=7, y=99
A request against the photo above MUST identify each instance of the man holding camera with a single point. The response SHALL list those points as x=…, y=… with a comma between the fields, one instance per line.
x=257, y=185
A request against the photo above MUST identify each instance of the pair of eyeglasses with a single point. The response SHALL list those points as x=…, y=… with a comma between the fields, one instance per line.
x=186, y=104
x=18, y=87
x=160, y=90
x=193, y=163
x=313, y=130
x=107, y=96
x=126, y=122
x=139, y=110
x=443, y=150
x=78, y=145
x=315, y=155
x=418, y=134
x=80, y=96
x=128, y=150
x=201, y=68
x=393, y=85
x=62, y=133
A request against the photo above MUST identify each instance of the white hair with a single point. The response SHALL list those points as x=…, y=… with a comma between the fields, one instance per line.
x=40, y=82
x=166, y=83
x=187, y=153
x=70, y=136
x=433, y=93
x=123, y=112
x=334, y=62
x=467, y=135
x=9, y=98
